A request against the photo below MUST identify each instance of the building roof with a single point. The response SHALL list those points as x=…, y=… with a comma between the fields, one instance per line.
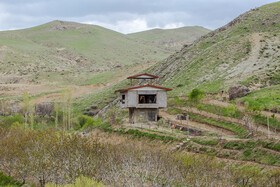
x=153, y=86
x=143, y=76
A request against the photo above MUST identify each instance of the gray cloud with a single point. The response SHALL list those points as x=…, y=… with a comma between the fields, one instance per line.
x=119, y=14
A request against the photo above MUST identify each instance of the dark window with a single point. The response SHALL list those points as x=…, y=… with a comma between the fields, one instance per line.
x=123, y=99
x=148, y=99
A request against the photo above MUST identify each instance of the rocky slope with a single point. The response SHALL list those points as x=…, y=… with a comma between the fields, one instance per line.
x=247, y=50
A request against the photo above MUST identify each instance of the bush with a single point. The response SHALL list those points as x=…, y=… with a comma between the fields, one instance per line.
x=196, y=95
x=11, y=120
x=8, y=181
x=86, y=121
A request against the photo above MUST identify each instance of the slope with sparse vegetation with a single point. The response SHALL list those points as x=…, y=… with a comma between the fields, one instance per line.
x=170, y=39
x=246, y=50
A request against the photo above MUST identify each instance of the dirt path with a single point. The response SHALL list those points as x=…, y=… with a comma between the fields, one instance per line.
x=260, y=129
x=241, y=71
x=196, y=125
x=241, y=108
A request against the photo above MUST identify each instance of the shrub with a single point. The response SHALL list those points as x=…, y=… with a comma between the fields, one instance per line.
x=86, y=121
x=196, y=95
x=11, y=120
x=8, y=181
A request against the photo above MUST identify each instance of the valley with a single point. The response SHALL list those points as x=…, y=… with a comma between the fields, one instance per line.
x=63, y=120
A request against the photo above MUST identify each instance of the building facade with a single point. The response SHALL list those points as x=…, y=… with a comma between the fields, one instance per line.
x=143, y=101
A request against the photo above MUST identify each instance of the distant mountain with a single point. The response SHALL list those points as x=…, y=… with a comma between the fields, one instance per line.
x=170, y=39
x=50, y=51
x=247, y=51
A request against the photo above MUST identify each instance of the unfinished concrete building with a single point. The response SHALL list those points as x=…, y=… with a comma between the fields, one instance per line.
x=143, y=100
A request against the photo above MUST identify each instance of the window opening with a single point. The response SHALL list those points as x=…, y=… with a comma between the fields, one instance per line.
x=147, y=99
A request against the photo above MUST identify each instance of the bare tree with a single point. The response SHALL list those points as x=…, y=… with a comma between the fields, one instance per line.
x=26, y=107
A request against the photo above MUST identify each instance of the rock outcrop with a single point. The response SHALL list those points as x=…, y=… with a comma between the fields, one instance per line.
x=237, y=90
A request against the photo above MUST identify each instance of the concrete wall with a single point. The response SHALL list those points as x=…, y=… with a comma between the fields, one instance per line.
x=123, y=105
x=132, y=98
x=142, y=115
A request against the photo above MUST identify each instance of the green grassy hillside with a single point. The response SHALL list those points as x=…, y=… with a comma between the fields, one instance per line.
x=170, y=39
x=247, y=50
x=67, y=52
x=65, y=48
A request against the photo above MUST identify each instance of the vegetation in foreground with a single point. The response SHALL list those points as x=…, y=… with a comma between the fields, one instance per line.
x=60, y=158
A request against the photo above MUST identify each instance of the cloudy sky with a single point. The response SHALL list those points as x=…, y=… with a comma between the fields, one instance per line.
x=124, y=16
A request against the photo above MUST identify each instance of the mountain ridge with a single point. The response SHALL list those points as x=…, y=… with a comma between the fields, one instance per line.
x=214, y=61
x=176, y=38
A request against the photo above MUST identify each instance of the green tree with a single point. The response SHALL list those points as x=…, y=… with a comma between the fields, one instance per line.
x=196, y=95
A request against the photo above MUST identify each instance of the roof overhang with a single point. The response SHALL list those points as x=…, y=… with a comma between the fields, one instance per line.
x=143, y=76
x=152, y=86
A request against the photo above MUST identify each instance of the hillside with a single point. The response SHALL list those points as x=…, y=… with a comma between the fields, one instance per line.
x=45, y=59
x=68, y=130
x=247, y=51
x=244, y=51
x=46, y=52
x=170, y=39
